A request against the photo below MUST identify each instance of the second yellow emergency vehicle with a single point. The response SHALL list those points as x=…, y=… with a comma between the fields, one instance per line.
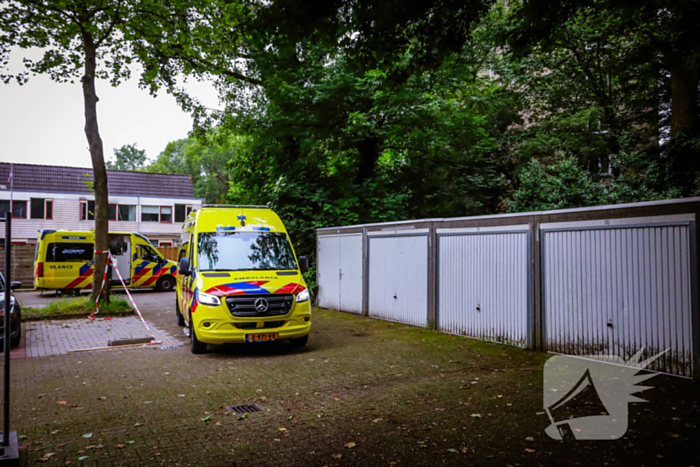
x=239, y=279
x=64, y=261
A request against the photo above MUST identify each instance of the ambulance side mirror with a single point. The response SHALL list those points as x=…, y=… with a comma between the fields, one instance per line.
x=185, y=267
x=303, y=264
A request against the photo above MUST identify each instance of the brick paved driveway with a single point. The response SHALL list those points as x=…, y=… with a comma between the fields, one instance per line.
x=363, y=392
x=43, y=338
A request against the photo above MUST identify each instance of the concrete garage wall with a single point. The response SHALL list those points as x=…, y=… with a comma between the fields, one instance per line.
x=529, y=279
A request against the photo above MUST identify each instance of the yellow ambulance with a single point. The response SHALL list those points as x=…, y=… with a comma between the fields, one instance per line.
x=64, y=261
x=239, y=279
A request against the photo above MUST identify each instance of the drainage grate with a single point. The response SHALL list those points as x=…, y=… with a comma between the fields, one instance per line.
x=169, y=347
x=243, y=408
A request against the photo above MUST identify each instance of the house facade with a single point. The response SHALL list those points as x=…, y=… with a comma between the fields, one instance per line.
x=54, y=197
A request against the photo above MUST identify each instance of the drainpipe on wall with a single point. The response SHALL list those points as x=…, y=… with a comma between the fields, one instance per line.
x=138, y=209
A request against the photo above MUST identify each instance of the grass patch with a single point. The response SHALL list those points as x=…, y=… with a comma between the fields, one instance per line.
x=77, y=308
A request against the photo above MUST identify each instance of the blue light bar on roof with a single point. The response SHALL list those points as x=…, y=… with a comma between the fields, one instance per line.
x=243, y=229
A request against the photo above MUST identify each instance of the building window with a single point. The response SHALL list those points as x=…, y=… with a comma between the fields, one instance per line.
x=19, y=209
x=112, y=212
x=180, y=212
x=166, y=214
x=127, y=213
x=87, y=210
x=155, y=243
x=49, y=209
x=149, y=214
x=4, y=207
x=189, y=210
x=38, y=206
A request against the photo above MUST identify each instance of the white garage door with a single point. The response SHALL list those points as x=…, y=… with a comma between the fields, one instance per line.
x=483, y=285
x=329, y=271
x=340, y=272
x=351, y=273
x=398, y=278
x=614, y=291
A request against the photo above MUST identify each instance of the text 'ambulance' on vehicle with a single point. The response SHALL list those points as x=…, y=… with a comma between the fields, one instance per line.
x=239, y=279
x=64, y=260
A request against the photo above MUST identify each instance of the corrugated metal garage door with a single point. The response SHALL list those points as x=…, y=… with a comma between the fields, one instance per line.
x=340, y=272
x=398, y=278
x=613, y=291
x=483, y=284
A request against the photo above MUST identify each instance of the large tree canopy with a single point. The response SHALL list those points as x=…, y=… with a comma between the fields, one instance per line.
x=338, y=112
x=87, y=40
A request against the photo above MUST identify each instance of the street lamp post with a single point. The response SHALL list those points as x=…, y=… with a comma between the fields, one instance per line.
x=9, y=449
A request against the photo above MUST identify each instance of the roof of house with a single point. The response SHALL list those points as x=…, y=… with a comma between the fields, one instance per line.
x=57, y=179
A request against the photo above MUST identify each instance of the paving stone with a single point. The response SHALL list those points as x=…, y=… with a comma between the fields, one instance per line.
x=44, y=338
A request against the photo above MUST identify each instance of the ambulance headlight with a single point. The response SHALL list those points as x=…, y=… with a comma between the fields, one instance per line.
x=208, y=299
x=303, y=296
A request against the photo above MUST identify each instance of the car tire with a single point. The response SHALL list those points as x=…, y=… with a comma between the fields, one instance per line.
x=180, y=319
x=165, y=284
x=14, y=342
x=300, y=342
x=196, y=347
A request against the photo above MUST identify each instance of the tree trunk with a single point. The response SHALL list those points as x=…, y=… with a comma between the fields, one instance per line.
x=684, y=96
x=92, y=133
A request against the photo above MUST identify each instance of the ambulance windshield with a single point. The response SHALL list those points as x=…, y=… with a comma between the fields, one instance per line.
x=244, y=251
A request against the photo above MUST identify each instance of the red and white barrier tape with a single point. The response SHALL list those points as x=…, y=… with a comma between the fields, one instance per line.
x=133, y=303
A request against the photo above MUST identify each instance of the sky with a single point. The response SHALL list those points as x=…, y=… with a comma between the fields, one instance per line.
x=43, y=122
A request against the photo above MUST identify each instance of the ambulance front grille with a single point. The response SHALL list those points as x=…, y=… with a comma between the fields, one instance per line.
x=266, y=325
x=244, y=305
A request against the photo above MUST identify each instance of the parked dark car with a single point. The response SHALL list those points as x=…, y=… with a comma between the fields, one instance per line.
x=15, y=314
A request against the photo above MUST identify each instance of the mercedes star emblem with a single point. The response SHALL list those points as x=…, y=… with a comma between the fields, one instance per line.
x=261, y=305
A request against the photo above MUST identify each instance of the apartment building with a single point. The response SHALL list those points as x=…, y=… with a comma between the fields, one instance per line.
x=54, y=197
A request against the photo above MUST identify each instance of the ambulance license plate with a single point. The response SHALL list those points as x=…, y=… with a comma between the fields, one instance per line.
x=262, y=337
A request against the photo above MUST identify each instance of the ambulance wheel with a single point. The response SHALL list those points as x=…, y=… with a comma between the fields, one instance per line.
x=300, y=342
x=180, y=318
x=165, y=284
x=196, y=346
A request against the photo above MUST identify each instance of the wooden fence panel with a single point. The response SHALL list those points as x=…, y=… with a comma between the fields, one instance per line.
x=169, y=252
x=22, y=264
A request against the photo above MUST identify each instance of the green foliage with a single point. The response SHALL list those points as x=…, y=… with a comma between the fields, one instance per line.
x=563, y=185
x=204, y=159
x=336, y=146
x=566, y=184
x=330, y=131
x=128, y=157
